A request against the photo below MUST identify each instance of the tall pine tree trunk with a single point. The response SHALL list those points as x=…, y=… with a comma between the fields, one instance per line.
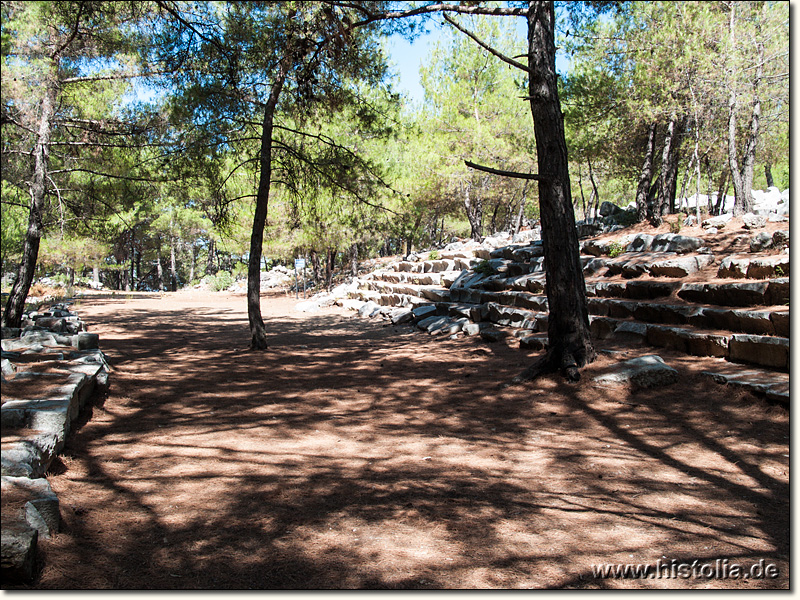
x=570, y=344
x=742, y=175
x=257, y=330
x=663, y=201
x=646, y=175
x=15, y=306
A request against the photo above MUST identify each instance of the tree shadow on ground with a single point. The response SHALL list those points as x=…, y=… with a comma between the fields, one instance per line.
x=351, y=455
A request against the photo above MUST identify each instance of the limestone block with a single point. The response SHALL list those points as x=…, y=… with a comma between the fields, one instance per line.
x=602, y=328
x=648, y=290
x=41, y=507
x=631, y=329
x=492, y=335
x=726, y=294
x=642, y=242
x=18, y=553
x=778, y=291
x=733, y=267
x=644, y=372
x=86, y=341
x=753, y=221
x=765, y=268
x=760, y=242
x=401, y=315
x=780, y=321
x=688, y=342
x=680, y=267
x=760, y=350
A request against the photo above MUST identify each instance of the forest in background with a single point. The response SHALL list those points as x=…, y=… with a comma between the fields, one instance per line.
x=149, y=168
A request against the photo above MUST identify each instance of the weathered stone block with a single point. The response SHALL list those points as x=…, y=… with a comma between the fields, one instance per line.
x=778, y=291
x=644, y=371
x=766, y=268
x=18, y=553
x=760, y=350
x=733, y=267
x=780, y=320
x=680, y=267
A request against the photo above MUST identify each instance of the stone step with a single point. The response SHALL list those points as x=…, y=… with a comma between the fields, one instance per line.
x=766, y=351
x=754, y=268
x=634, y=290
x=410, y=277
x=657, y=264
x=770, y=292
x=774, y=386
x=429, y=292
x=761, y=322
x=434, y=266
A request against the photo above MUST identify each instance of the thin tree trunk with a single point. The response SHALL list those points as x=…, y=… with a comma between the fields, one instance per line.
x=159, y=268
x=330, y=264
x=646, y=176
x=570, y=344
x=354, y=260
x=521, y=211
x=742, y=176
x=722, y=190
x=474, y=212
x=211, y=263
x=173, y=266
x=595, y=191
x=687, y=178
x=15, y=306
x=768, y=175
x=257, y=330
x=315, y=266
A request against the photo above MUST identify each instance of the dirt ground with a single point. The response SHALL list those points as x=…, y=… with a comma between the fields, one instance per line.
x=355, y=455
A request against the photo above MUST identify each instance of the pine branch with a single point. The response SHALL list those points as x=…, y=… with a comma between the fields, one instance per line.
x=515, y=174
x=485, y=46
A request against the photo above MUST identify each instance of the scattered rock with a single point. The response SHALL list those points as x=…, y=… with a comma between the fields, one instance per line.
x=751, y=221
x=492, y=335
x=760, y=242
x=644, y=372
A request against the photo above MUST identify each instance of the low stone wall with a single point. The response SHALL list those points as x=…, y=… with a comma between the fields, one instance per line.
x=50, y=369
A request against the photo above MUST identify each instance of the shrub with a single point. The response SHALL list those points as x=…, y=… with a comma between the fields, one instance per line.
x=675, y=226
x=434, y=255
x=484, y=268
x=615, y=249
x=222, y=280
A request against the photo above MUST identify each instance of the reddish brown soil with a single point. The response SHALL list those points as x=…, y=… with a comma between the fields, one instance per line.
x=355, y=455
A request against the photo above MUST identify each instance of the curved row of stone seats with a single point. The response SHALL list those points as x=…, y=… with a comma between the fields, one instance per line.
x=66, y=368
x=507, y=291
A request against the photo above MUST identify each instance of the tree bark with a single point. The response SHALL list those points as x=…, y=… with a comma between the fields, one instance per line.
x=354, y=260
x=159, y=268
x=173, y=267
x=211, y=265
x=570, y=344
x=663, y=200
x=15, y=306
x=722, y=190
x=768, y=175
x=474, y=210
x=646, y=176
x=257, y=330
x=742, y=176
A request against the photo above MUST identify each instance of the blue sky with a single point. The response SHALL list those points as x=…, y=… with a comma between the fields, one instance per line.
x=407, y=58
